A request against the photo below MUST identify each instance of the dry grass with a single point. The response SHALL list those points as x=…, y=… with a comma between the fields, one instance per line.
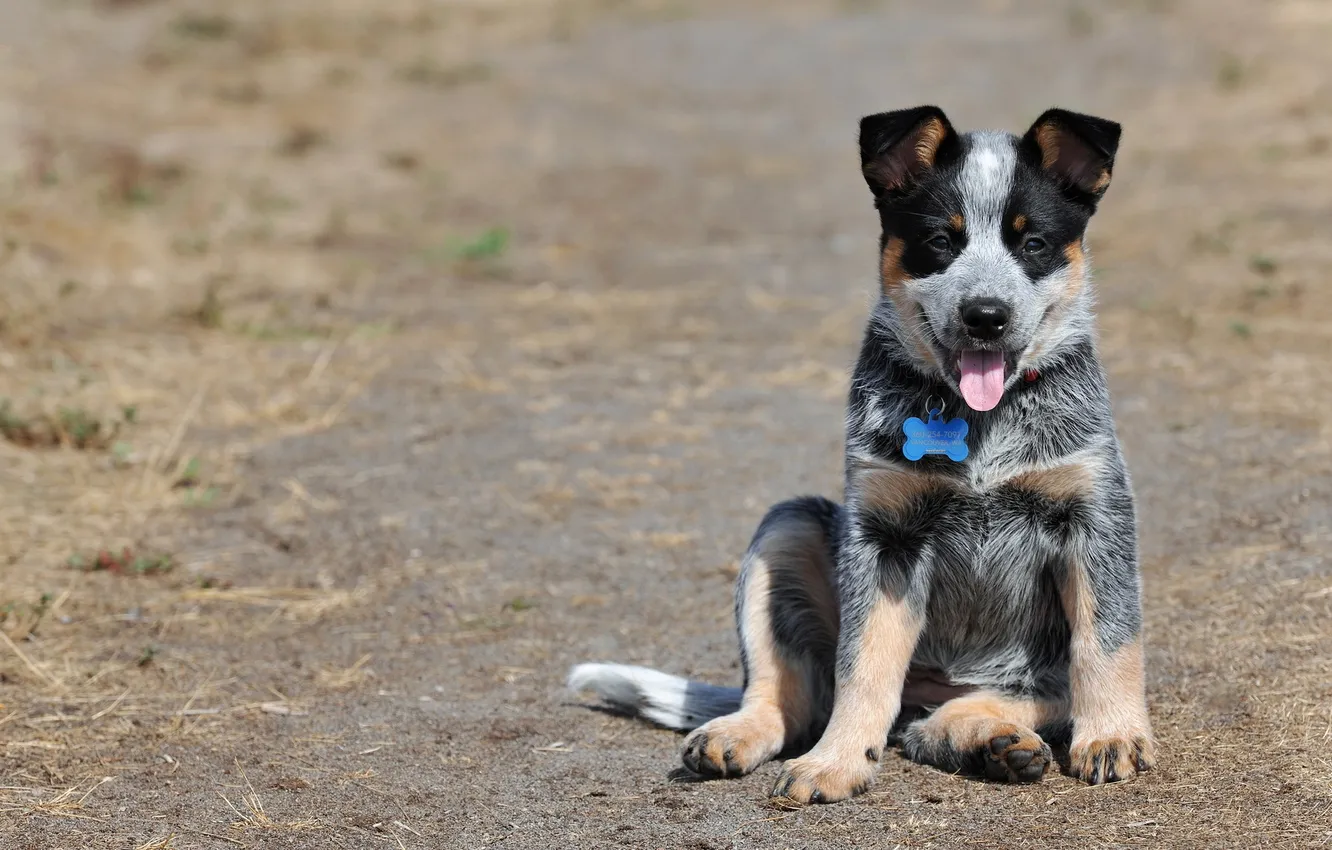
x=176, y=300
x=252, y=816
x=348, y=677
x=61, y=803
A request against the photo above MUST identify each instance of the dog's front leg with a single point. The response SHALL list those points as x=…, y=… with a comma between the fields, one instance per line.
x=1112, y=736
x=878, y=636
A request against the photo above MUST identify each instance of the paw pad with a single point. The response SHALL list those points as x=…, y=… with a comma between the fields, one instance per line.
x=1017, y=757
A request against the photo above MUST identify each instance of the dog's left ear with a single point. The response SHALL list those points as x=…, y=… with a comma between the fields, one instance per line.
x=1079, y=150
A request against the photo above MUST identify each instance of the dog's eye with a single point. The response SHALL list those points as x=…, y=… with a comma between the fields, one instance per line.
x=940, y=243
x=1034, y=245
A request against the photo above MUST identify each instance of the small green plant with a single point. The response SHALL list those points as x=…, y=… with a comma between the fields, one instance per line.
x=74, y=427
x=203, y=27
x=125, y=562
x=480, y=253
x=1263, y=265
x=201, y=498
x=487, y=246
x=401, y=160
x=140, y=195
x=146, y=655
x=373, y=330
x=428, y=72
x=122, y=454
x=518, y=604
x=1217, y=242
x=189, y=476
x=20, y=619
x=301, y=140
x=1241, y=329
x=80, y=427
x=1230, y=73
x=12, y=427
x=209, y=313
x=190, y=246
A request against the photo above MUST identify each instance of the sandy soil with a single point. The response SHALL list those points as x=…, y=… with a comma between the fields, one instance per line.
x=368, y=363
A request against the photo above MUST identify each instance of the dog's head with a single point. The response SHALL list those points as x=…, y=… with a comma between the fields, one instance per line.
x=983, y=267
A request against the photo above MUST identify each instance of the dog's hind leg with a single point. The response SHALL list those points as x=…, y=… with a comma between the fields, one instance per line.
x=986, y=733
x=786, y=612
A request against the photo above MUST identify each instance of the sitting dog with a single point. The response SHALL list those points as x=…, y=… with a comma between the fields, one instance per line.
x=978, y=593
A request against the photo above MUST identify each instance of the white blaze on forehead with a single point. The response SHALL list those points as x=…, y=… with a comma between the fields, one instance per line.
x=986, y=181
x=985, y=268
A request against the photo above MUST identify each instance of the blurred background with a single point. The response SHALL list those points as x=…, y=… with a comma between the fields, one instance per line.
x=364, y=363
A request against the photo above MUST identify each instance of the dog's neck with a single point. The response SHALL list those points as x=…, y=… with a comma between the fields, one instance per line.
x=1067, y=404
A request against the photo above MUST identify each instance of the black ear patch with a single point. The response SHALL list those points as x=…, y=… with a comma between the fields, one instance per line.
x=896, y=147
x=1079, y=150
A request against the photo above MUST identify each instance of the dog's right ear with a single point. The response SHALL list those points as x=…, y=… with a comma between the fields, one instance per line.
x=897, y=147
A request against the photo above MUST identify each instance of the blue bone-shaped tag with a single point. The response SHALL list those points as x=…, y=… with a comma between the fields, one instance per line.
x=935, y=437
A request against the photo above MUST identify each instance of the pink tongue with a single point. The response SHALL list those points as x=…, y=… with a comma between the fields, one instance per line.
x=982, y=379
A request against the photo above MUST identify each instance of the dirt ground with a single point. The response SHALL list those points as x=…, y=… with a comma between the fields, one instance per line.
x=365, y=364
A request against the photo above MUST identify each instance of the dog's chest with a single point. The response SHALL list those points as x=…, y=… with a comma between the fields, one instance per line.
x=993, y=610
x=990, y=534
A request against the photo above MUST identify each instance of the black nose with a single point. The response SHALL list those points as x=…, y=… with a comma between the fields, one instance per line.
x=985, y=318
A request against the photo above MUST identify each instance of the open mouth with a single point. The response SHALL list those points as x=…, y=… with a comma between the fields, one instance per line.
x=981, y=373
x=981, y=377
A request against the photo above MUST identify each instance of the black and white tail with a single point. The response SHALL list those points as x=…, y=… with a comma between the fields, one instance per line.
x=671, y=701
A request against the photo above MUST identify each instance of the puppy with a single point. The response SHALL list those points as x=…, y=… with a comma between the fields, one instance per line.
x=979, y=588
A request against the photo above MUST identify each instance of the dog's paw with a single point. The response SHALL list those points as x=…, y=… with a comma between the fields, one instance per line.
x=735, y=744
x=814, y=778
x=1015, y=754
x=1111, y=758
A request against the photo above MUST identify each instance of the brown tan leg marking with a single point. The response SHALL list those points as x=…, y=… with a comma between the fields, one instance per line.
x=1112, y=736
x=843, y=762
x=999, y=728
x=778, y=703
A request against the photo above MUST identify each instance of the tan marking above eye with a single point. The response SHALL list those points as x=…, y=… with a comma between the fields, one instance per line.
x=1019, y=222
x=956, y=221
